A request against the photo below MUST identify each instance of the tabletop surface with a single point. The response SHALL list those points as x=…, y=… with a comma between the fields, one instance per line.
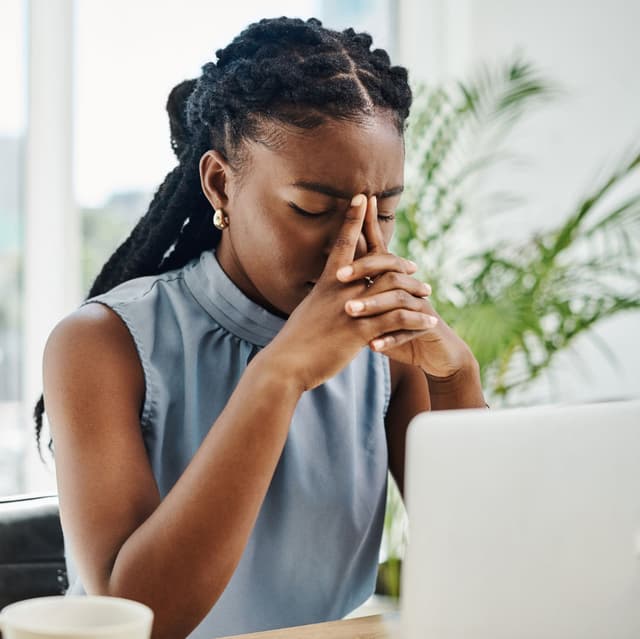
x=375, y=627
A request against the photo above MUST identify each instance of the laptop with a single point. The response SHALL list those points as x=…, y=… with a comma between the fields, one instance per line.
x=523, y=524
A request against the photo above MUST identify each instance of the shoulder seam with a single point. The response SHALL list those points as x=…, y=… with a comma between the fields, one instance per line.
x=141, y=294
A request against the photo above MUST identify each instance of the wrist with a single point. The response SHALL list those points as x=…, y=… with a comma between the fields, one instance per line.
x=468, y=369
x=279, y=369
x=461, y=389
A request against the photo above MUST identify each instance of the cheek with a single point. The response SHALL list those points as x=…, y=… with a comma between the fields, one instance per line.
x=267, y=233
x=292, y=233
x=310, y=235
x=281, y=240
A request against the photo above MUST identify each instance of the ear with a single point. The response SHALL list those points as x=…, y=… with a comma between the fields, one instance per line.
x=215, y=172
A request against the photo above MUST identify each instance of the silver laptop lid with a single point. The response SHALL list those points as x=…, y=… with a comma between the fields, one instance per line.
x=524, y=524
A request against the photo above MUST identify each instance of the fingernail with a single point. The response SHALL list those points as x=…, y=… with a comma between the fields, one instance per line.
x=357, y=200
x=377, y=344
x=344, y=272
x=427, y=288
x=412, y=265
x=432, y=321
x=356, y=307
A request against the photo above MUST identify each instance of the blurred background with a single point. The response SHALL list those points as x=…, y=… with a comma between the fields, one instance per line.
x=522, y=192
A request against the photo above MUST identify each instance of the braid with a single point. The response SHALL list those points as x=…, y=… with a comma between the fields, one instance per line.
x=278, y=70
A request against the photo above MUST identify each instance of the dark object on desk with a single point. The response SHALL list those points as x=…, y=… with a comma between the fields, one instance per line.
x=31, y=549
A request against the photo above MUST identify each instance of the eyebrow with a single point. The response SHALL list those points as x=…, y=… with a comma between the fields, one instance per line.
x=325, y=189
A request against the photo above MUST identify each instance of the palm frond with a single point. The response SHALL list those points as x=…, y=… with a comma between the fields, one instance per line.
x=517, y=304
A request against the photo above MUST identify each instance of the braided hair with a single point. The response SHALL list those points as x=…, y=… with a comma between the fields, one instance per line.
x=278, y=70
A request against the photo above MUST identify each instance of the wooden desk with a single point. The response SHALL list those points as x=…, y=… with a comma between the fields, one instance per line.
x=375, y=627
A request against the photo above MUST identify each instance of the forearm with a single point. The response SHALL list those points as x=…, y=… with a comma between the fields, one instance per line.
x=181, y=558
x=463, y=389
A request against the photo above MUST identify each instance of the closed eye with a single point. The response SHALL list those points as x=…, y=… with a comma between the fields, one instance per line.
x=300, y=211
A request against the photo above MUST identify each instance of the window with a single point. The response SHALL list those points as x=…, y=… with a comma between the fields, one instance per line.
x=126, y=57
x=12, y=130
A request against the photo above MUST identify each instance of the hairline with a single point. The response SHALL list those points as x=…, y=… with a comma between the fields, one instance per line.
x=274, y=140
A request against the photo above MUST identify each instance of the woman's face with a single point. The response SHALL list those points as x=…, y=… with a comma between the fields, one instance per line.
x=288, y=205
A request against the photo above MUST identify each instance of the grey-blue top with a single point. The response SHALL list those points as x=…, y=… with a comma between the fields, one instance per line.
x=313, y=553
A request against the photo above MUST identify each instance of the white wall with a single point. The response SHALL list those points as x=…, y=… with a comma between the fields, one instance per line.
x=591, y=49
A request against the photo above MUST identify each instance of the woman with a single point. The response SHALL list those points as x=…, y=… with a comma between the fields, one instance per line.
x=226, y=405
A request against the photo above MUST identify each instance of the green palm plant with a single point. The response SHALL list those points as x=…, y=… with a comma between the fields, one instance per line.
x=516, y=302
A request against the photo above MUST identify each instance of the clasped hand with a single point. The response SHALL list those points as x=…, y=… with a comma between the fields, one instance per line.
x=424, y=340
x=371, y=300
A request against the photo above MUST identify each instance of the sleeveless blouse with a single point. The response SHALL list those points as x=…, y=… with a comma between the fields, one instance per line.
x=313, y=553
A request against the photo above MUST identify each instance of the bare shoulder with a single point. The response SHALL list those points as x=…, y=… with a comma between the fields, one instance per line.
x=91, y=351
x=93, y=327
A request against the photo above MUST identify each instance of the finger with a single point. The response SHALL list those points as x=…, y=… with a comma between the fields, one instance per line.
x=400, y=319
x=392, y=280
x=387, y=301
x=391, y=340
x=346, y=242
x=374, y=264
x=372, y=230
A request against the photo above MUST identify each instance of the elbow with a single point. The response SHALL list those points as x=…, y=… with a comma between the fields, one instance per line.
x=178, y=608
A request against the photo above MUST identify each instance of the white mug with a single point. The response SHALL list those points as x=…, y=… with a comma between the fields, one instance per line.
x=76, y=617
